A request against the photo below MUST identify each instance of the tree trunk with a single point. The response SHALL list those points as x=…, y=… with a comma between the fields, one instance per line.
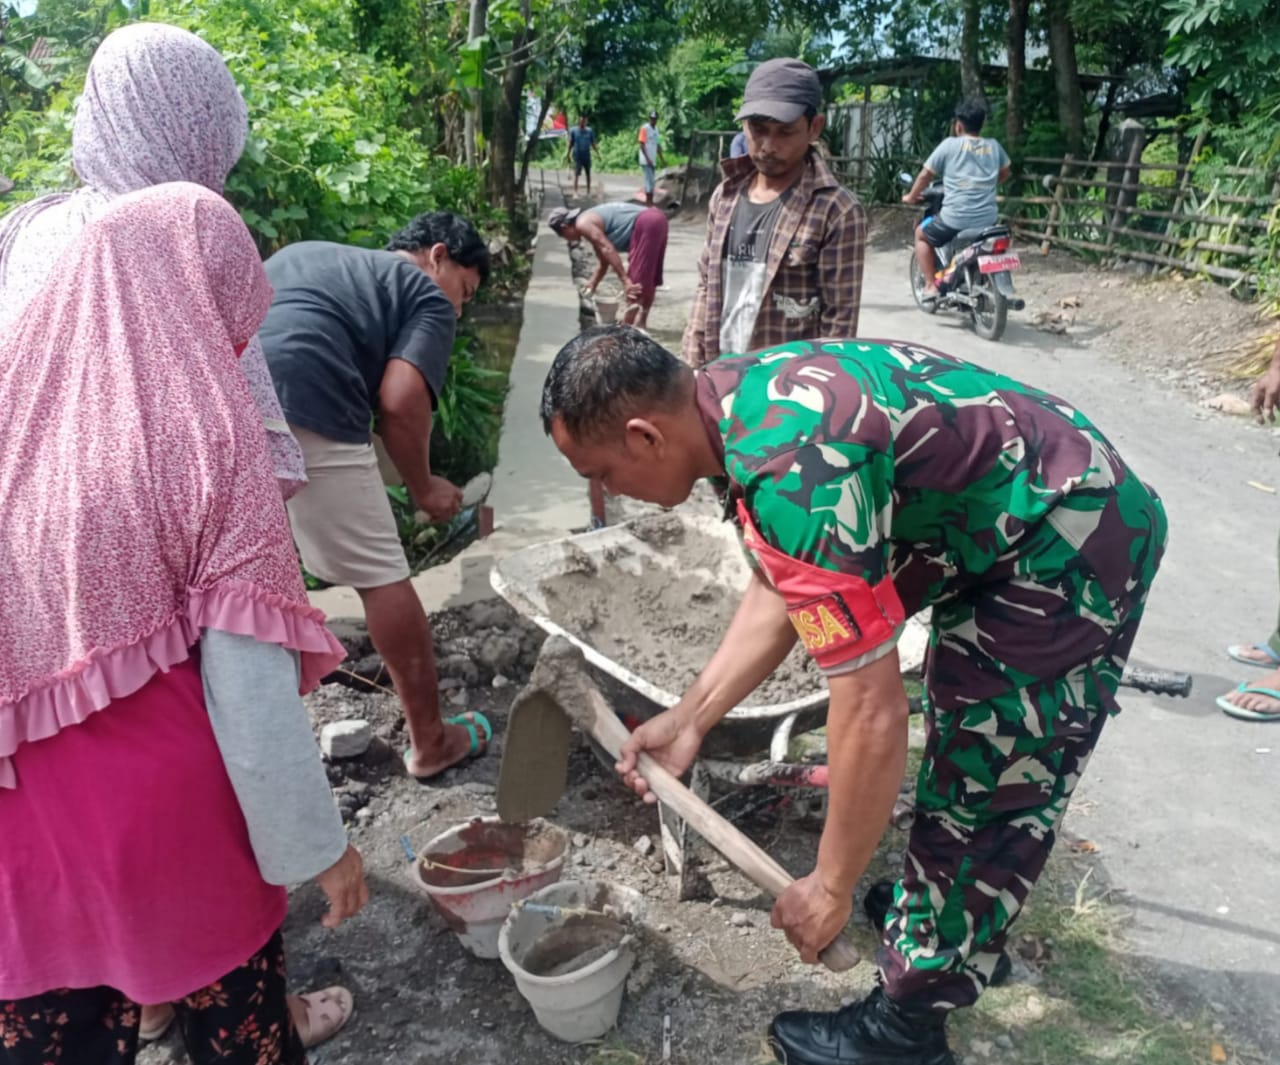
x=534, y=139
x=970, y=62
x=1066, y=75
x=475, y=28
x=508, y=118
x=1015, y=120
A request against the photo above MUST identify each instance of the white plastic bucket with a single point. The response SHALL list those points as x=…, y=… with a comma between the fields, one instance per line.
x=475, y=871
x=583, y=1002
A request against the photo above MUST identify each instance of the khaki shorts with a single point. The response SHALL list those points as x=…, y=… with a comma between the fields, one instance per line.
x=341, y=519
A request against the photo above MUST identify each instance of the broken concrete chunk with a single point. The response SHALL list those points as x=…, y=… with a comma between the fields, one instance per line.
x=643, y=846
x=345, y=739
x=740, y=920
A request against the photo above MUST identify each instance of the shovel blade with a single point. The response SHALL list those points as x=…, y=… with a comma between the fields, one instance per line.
x=535, y=757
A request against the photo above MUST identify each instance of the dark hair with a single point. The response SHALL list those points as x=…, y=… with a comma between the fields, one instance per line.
x=466, y=247
x=606, y=374
x=971, y=114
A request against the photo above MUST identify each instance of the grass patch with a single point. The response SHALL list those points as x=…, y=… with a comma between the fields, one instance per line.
x=1092, y=1007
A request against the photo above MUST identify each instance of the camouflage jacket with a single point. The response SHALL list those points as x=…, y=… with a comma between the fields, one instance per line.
x=873, y=479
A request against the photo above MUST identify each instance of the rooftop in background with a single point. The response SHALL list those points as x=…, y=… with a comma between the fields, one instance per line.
x=903, y=70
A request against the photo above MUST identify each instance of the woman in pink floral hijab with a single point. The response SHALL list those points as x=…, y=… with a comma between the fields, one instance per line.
x=158, y=105
x=159, y=781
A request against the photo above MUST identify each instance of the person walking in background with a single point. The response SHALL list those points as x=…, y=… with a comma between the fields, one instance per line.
x=971, y=166
x=651, y=156
x=582, y=142
x=785, y=240
x=159, y=779
x=134, y=128
x=355, y=334
x=1259, y=700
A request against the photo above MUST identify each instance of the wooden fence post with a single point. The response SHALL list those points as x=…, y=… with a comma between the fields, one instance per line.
x=1132, y=176
x=1059, y=192
x=1184, y=183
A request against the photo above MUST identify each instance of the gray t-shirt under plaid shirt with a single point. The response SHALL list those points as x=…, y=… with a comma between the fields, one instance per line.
x=746, y=257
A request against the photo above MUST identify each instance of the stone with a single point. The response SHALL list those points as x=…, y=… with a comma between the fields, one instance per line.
x=475, y=787
x=490, y=614
x=379, y=751
x=664, y=927
x=345, y=739
x=499, y=681
x=364, y=814
x=499, y=653
x=1004, y=1042
x=740, y=920
x=581, y=839
x=609, y=862
x=458, y=698
x=643, y=846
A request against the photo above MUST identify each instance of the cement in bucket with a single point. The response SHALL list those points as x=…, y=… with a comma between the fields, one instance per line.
x=474, y=872
x=572, y=968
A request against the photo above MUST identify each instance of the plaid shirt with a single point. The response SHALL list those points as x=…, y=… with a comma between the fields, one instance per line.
x=813, y=284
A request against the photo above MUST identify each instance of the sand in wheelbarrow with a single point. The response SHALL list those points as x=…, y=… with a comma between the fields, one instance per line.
x=664, y=623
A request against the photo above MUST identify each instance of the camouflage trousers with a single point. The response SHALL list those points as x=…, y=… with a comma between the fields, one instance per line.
x=1020, y=680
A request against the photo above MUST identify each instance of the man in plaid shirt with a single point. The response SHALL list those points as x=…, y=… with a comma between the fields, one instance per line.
x=785, y=241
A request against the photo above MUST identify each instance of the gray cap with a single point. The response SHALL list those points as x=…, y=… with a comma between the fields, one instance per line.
x=563, y=216
x=781, y=90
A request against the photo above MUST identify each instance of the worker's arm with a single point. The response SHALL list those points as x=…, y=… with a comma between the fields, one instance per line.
x=606, y=253
x=921, y=183
x=867, y=757
x=1265, y=395
x=756, y=642
x=1003, y=176
x=404, y=422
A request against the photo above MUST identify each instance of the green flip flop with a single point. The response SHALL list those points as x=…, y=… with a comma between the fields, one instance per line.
x=1228, y=707
x=468, y=720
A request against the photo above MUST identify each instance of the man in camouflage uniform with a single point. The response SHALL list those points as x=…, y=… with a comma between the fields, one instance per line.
x=872, y=480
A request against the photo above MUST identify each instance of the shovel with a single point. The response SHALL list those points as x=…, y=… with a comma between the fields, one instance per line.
x=535, y=766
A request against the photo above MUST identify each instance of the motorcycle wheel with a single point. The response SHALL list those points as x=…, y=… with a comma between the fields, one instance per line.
x=917, y=287
x=990, y=308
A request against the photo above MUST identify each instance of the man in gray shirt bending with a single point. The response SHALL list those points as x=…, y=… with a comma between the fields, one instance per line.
x=971, y=166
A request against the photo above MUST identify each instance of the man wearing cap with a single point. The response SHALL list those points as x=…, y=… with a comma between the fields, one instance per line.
x=623, y=226
x=785, y=241
x=651, y=156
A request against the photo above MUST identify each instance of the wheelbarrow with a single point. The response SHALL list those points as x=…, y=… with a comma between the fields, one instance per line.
x=688, y=568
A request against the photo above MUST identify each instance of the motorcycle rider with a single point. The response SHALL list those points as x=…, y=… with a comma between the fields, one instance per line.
x=971, y=166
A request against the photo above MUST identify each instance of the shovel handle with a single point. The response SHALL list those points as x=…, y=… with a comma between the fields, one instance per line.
x=755, y=864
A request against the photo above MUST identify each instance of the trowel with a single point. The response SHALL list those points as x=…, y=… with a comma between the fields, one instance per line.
x=535, y=764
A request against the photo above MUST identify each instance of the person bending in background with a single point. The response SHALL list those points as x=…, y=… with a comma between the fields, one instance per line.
x=355, y=336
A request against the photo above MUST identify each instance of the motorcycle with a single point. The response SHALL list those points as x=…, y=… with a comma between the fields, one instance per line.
x=973, y=272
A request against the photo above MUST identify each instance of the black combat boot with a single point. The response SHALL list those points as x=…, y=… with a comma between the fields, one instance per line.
x=876, y=907
x=875, y=1031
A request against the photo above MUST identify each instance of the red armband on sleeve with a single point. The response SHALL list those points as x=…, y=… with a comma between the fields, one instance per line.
x=838, y=616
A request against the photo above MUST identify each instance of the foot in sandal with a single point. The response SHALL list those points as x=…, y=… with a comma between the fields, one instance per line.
x=155, y=1021
x=1254, y=702
x=465, y=736
x=1254, y=654
x=322, y=1014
